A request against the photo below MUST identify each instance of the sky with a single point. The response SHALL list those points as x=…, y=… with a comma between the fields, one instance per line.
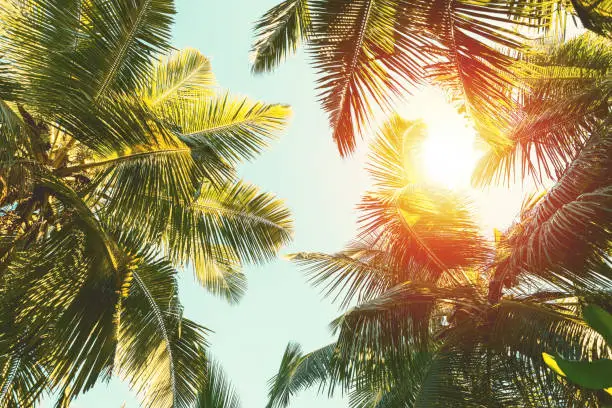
x=321, y=189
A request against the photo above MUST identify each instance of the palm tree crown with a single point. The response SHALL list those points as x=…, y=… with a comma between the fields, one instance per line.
x=118, y=161
x=439, y=316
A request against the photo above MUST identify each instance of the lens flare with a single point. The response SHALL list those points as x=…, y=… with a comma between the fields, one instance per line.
x=448, y=154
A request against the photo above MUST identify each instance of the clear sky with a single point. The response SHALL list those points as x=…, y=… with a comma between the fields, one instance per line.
x=320, y=188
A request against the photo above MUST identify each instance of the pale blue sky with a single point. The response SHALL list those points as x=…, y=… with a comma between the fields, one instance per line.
x=304, y=168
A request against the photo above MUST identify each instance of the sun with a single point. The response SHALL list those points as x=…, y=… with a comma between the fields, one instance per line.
x=448, y=154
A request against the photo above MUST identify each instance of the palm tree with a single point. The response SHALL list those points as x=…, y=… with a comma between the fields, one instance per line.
x=117, y=170
x=370, y=52
x=439, y=321
x=442, y=318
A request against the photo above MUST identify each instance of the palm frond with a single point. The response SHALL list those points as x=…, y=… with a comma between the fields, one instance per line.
x=221, y=228
x=567, y=100
x=252, y=224
x=568, y=228
x=85, y=49
x=124, y=35
x=236, y=129
x=180, y=75
x=353, y=46
x=359, y=273
x=218, y=391
x=595, y=15
x=279, y=33
x=394, y=159
x=158, y=350
x=299, y=371
x=222, y=276
x=381, y=332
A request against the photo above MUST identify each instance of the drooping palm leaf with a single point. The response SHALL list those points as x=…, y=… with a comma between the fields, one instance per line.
x=349, y=44
x=279, y=33
x=567, y=100
x=218, y=391
x=568, y=227
x=299, y=371
x=158, y=349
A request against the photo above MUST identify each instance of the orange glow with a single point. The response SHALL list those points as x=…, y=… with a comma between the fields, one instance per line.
x=449, y=155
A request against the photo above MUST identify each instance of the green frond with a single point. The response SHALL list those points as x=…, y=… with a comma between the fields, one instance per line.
x=222, y=275
x=76, y=338
x=279, y=33
x=23, y=376
x=158, y=349
x=123, y=36
x=40, y=45
x=218, y=391
x=221, y=228
x=236, y=129
x=84, y=49
x=253, y=225
x=183, y=74
x=299, y=371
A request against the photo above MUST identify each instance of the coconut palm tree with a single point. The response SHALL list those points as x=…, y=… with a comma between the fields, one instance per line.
x=468, y=330
x=370, y=52
x=440, y=317
x=118, y=160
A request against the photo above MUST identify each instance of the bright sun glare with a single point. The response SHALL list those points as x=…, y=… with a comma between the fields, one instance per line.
x=448, y=153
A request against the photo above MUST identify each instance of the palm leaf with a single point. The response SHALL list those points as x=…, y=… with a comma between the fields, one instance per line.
x=236, y=129
x=279, y=33
x=124, y=36
x=348, y=42
x=222, y=276
x=180, y=75
x=568, y=227
x=595, y=15
x=358, y=273
x=218, y=391
x=158, y=350
x=567, y=100
x=299, y=371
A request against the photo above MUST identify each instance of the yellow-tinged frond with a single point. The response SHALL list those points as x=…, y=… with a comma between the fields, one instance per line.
x=184, y=74
x=221, y=275
x=234, y=128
